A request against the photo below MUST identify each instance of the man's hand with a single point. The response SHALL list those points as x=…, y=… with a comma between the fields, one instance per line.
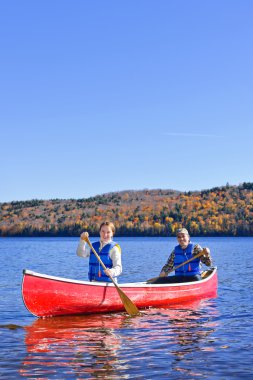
x=206, y=252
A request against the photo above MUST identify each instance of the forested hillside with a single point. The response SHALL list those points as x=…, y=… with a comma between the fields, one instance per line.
x=220, y=211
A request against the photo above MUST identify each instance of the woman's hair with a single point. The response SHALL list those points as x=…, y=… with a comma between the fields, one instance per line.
x=109, y=224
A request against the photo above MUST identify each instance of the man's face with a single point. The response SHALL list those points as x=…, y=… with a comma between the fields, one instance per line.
x=183, y=240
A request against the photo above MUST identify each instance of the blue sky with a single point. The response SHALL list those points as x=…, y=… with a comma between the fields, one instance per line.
x=100, y=96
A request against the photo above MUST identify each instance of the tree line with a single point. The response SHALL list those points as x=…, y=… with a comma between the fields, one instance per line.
x=220, y=211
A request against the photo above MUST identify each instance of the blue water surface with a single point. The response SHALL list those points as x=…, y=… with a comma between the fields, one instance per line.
x=208, y=339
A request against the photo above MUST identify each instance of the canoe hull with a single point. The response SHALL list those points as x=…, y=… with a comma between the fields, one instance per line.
x=46, y=296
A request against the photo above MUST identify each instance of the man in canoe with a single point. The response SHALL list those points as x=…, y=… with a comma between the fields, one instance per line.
x=108, y=251
x=183, y=252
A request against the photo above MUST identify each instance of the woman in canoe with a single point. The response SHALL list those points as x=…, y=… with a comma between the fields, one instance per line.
x=184, y=251
x=108, y=251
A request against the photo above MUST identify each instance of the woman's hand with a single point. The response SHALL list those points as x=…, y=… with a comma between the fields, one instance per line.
x=84, y=235
x=108, y=272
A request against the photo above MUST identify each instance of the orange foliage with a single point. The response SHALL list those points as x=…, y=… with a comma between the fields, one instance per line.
x=220, y=211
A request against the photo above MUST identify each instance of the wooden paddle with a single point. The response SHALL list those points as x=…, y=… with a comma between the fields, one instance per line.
x=178, y=266
x=128, y=304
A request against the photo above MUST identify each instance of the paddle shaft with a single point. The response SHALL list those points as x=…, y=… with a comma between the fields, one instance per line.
x=128, y=304
x=187, y=261
x=182, y=264
x=99, y=259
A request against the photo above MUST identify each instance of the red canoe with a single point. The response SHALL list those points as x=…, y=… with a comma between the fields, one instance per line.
x=46, y=296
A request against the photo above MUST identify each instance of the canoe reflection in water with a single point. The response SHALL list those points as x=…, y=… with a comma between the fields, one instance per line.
x=112, y=346
x=77, y=344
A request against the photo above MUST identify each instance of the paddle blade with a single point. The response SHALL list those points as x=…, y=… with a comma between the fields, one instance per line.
x=130, y=307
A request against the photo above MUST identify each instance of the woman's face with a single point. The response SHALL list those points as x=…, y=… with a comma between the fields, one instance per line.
x=183, y=240
x=106, y=234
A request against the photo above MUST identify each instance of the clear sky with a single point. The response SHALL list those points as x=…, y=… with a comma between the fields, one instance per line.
x=102, y=95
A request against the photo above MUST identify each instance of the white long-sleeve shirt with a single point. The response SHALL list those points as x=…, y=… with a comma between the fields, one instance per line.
x=83, y=250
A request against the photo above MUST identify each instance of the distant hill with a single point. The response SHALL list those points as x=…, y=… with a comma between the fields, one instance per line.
x=220, y=211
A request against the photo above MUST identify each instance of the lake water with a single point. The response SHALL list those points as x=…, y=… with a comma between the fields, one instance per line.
x=208, y=339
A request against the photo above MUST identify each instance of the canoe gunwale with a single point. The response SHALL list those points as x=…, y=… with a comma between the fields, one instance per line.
x=144, y=284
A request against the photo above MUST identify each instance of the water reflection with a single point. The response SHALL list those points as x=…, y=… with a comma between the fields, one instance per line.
x=73, y=344
x=179, y=337
x=112, y=346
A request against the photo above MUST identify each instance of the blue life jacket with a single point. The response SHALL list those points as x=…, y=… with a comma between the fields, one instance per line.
x=96, y=271
x=181, y=255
